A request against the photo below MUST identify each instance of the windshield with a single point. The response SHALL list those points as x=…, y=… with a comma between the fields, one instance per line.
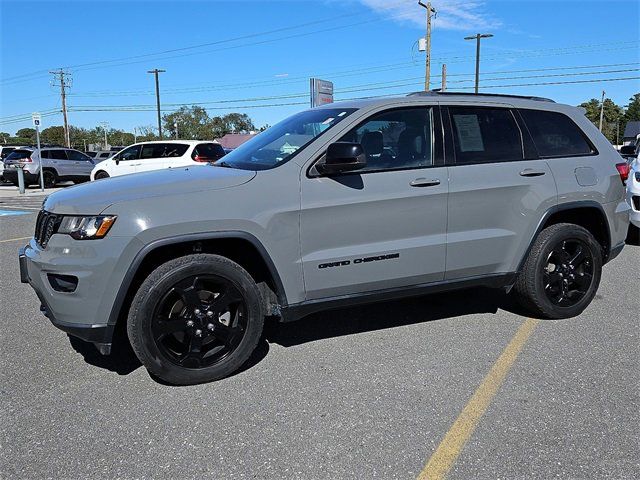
x=280, y=143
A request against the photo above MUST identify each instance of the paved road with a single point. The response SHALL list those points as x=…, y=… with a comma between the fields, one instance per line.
x=360, y=393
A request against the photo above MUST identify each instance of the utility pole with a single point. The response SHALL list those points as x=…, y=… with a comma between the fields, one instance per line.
x=135, y=135
x=175, y=124
x=601, y=110
x=60, y=76
x=477, y=38
x=104, y=127
x=427, y=72
x=155, y=72
x=444, y=77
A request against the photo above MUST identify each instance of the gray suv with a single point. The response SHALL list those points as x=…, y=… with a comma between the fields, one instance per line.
x=339, y=205
x=59, y=164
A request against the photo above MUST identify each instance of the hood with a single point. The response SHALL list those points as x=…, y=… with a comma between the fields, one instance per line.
x=92, y=198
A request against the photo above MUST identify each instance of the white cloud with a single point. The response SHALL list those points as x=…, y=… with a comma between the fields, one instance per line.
x=468, y=15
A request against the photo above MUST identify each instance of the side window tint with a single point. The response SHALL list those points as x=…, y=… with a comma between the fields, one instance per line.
x=555, y=135
x=58, y=154
x=77, y=156
x=131, y=153
x=484, y=135
x=44, y=154
x=163, y=150
x=396, y=139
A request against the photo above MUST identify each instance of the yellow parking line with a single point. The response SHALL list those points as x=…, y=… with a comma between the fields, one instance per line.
x=14, y=239
x=453, y=442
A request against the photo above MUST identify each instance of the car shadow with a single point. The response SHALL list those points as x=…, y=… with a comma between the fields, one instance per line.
x=390, y=314
x=329, y=324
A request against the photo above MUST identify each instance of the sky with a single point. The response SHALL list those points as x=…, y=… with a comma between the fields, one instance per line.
x=257, y=57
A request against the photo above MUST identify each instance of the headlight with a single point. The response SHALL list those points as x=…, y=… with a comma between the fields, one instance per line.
x=86, y=228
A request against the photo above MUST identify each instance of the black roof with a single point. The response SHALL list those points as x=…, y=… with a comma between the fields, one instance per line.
x=500, y=95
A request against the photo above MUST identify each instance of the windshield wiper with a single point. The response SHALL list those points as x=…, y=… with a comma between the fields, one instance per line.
x=221, y=164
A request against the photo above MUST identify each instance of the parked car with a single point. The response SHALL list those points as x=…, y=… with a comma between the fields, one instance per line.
x=146, y=156
x=5, y=150
x=59, y=164
x=633, y=198
x=517, y=193
x=103, y=155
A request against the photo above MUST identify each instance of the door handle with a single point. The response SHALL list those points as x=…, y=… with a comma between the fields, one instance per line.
x=424, y=182
x=530, y=172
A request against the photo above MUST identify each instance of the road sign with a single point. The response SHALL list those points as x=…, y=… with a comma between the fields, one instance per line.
x=35, y=117
x=321, y=92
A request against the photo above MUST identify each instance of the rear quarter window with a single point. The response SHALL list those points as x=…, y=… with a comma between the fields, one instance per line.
x=209, y=151
x=556, y=135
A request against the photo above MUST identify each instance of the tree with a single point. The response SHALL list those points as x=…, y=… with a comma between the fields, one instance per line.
x=633, y=109
x=612, y=119
x=193, y=123
x=28, y=133
x=54, y=135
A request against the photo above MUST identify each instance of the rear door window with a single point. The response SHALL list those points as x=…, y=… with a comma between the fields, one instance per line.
x=58, y=154
x=163, y=150
x=485, y=135
x=556, y=135
x=77, y=156
x=208, y=152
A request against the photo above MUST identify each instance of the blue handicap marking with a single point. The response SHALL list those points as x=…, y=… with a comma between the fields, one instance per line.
x=6, y=213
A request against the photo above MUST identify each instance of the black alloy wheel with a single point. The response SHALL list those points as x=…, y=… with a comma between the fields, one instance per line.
x=568, y=274
x=101, y=174
x=199, y=321
x=195, y=319
x=50, y=179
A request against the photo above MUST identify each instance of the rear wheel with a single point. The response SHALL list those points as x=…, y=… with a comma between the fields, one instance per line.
x=101, y=174
x=195, y=319
x=50, y=178
x=562, y=272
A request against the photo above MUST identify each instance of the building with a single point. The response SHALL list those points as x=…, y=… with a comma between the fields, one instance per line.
x=234, y=140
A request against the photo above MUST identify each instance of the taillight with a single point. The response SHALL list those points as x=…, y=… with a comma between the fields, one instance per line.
x=25, y=160
x=623, y=170
x=199, y=158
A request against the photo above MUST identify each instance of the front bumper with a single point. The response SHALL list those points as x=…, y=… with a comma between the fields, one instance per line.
x=84, y=312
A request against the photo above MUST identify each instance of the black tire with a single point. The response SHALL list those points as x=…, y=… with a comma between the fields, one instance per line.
x=558, y=280
x=633, y=235
x=100, y=174
x=50, y=178
x=163, y=338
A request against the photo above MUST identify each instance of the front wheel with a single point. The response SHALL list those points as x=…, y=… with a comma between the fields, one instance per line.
x=195, y=319
x=101, y=174
x=562, y=272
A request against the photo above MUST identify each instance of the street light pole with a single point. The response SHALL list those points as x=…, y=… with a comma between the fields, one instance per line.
x=477, y=38
x=104, y=127
x=155, y=72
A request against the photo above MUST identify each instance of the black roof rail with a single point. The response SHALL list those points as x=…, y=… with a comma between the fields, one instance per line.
x=434, y=93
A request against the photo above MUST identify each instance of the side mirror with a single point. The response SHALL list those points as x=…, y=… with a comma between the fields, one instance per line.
x=117, y=161
x=342, y=157
x=628, y=150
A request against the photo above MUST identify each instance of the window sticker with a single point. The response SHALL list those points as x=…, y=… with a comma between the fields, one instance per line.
x=469, y=134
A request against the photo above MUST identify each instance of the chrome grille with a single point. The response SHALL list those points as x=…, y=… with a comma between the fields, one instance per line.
x=46, y=225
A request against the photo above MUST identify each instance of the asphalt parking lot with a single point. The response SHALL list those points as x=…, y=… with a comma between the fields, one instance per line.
x=460, y=382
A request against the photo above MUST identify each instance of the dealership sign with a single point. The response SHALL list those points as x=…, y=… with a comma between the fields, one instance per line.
x=321, y=92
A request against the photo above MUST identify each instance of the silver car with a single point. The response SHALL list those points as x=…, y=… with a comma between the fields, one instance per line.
x=58, y=164
x=339, y=205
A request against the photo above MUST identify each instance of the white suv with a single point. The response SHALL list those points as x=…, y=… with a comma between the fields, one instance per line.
x=145, y=156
